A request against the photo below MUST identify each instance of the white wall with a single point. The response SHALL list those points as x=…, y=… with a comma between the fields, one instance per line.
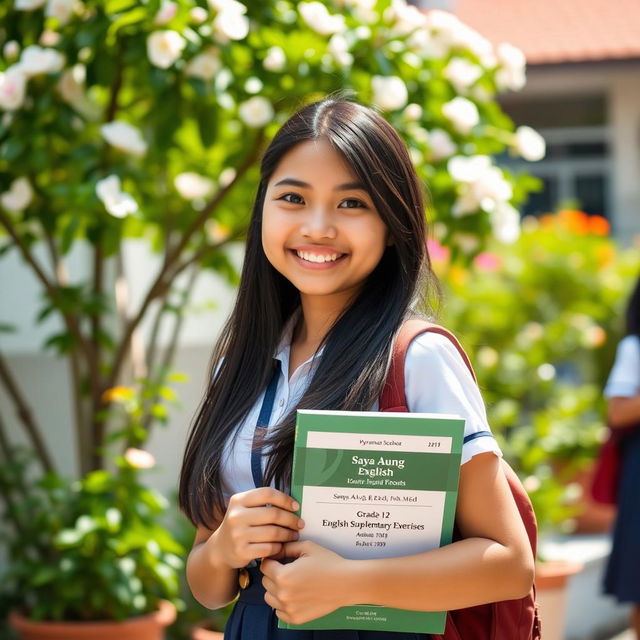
x=45, y=379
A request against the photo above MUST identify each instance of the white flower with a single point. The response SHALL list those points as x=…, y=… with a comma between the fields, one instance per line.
x=13, y=85
x=389, y=92
x=511, y=74
x=468, y=169
x=28, y=5
x=424, y=43
x=164, y=48
x=11, y=49
x=19, y=195
x=275, y=59
x=166, y=13
x=192, y=186
x=49, y=38
x=117, y=203
x=318, y=18
x=198, y=14
x=227, y=176
x=406, y=18
x=339, y=49
x=529, y=144
x=462, y=114
x=505, y=223
x=230, y=23
x=256, y=111
x=462, y=73
x=125, y=137
x=205, y=65
x=413, y=112
x=483, y=186
x=440, y=145
x=36, y=60
x=139, y=459
x=71, y=85
x=62, y=10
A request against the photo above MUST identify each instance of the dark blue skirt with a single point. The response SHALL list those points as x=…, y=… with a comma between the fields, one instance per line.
x=622, y=577
x=253, y=619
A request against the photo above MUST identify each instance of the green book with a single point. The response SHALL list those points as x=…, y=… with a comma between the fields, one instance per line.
x=377, y=485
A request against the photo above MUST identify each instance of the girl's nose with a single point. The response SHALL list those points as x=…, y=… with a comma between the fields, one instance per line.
x=318, y=224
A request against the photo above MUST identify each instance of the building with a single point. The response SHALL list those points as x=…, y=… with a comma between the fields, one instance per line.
x=582, y=94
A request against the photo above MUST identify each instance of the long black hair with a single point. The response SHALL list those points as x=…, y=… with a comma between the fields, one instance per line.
x=633, y=311
x=353, y=365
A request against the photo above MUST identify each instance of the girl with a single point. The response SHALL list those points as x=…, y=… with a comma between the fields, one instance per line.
x=622, y=577
x=335, y=258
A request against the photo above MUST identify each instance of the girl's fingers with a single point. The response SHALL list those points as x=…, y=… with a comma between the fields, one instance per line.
x=269, y=585
x=272, y=601
x=263, y=549
x=264, y=496
x=274, y=515
x=271, y=533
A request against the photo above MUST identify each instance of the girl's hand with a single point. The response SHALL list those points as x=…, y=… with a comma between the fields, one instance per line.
x=311, y=586
x=255, y=525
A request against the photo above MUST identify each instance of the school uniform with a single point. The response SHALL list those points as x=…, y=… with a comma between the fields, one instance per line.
x=622, y=575
x=436, y=381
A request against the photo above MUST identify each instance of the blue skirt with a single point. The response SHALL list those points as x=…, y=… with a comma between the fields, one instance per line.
x=622, y=577
x=253, y=619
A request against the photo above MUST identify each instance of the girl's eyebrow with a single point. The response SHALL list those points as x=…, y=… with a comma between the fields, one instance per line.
x=347, y=186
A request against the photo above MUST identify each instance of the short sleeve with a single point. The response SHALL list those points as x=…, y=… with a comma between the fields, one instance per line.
x=624, y=379
x=437, y=380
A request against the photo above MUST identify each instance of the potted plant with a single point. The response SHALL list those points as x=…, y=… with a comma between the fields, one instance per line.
x=89, y=558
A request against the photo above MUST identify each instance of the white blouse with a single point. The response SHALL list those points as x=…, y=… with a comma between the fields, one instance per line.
x=436, y=381
x=624, y=379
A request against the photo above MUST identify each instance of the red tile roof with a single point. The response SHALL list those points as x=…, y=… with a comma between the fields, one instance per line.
x=555, y=31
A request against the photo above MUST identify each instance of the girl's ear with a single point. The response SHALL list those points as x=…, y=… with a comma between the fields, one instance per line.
x=390, y=241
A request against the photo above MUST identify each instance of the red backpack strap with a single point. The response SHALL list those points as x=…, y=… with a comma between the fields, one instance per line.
x=393, y=397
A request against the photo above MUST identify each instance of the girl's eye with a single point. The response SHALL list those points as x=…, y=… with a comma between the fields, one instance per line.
x=293, y=195
x=354, y=203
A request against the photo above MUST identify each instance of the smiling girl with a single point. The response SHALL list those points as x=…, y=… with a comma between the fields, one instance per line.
x=335, y=262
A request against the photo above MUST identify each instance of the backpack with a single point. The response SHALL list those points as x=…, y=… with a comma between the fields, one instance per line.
x=505, y=620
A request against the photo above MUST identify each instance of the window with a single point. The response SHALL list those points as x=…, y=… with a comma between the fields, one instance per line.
x=577, y=166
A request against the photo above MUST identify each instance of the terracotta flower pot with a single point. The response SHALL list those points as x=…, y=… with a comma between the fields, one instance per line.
x=203, y=631
x=551, y=584
x=147, y=627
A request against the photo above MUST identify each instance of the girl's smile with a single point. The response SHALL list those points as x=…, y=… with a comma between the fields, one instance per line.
x=320, y=229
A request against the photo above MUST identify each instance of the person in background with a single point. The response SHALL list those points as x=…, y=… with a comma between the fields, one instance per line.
x=622, y=576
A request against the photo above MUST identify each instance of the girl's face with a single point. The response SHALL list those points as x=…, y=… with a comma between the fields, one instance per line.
x=320, y=229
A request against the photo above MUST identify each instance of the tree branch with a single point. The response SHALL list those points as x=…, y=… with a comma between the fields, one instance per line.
x=164, y=278
x=24, y=413
x=70, y=322
x=171, y=347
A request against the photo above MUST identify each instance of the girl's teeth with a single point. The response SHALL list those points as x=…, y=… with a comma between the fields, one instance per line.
x=311, y=257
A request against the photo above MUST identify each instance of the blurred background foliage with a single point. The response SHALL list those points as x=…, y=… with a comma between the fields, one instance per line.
x=542, y=319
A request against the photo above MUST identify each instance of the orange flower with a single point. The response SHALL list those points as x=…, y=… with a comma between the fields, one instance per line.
x=599, y=226
x=574, y=221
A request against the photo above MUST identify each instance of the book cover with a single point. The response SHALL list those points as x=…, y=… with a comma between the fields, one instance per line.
x=377, y=485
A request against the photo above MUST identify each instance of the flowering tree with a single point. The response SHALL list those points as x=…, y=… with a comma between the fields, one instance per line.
x=126, y=119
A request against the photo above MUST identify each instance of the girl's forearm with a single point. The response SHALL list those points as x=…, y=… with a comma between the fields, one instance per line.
x=623, y=412
x=212, y=583
x=464, y=574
